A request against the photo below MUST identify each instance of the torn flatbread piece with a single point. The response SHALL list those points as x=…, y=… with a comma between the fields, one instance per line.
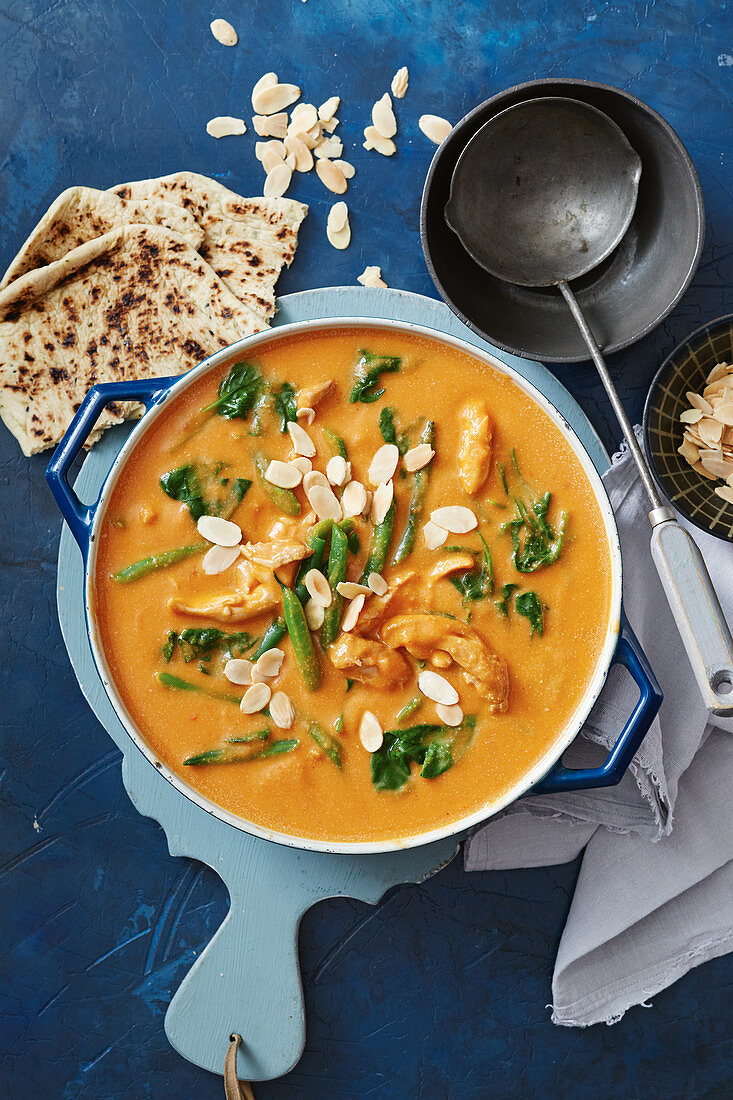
x=138, y=302
x=80, y=214
x=246, y=241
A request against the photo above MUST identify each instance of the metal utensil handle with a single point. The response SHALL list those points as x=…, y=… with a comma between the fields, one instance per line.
x=78, y=515
x=699, y=617
x=630, y=654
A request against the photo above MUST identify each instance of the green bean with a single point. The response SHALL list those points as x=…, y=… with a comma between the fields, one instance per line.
x=284, y=499
x=419, y=489
x=326, y=742
x=336, y=442
x=313, y=561
x=247, y=738
x=379, y=548
x=336, y=574
x=409, y=708
x=158, y=561
x=275, y=633
x=228, y=756
x=169, y=681
x=300, y=636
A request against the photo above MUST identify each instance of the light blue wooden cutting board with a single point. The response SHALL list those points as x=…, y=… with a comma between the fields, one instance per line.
x=247, y=980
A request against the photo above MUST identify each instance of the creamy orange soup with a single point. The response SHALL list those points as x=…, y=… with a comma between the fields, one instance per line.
x=412, y=707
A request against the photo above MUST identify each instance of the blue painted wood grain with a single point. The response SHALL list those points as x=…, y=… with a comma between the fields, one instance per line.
x=440, y=990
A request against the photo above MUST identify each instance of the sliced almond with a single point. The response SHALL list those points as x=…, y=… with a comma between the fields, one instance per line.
x=436, y=688
x=715, y=464
x=315, y=477
x=710, y=430
x=220, y=531
x=374, y=140
x=384, y=464
x=689, y=451
x=724, y=413
x=331, y=176
x=328, y=148
x=302, y=442
x=297, y=147
x=337, y=470
x=418, y=457
x=283, y=474
x=225, y=126
x=399, y=83
x=271, y=100
x=347, y=170
x=700, y=469
x=238, y=671
x=324, y=502
x=282, y=710
x=451, y=715
x=219, y=558
x=381, y=502
x=305, y=114
x=371, y=276
x=318, y=587
x=269, y=80
x=720, y=370
x=270, y=153
x=258, y=677
x=328, y=109
x=350, y=590
x=354, y=499
x=434, y=127
x=224, y=32
x=434, y=536
x=353, y=611
x=377, y=583
x=315, y=613
x=725, y=492
x=699, y=402
x=306, y=413
x=270, y=663
x=330, y=126
x=340, y=238
x=302, y=464
x=456, y=519
x=383, y=117
x=371, y=733
x=277, y=181
x=275, y=126
x=338, y=216
x=255, y=698
x=691, y=416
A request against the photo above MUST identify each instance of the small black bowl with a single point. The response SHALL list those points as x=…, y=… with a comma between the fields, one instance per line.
x=627, y=295
x=686, y=369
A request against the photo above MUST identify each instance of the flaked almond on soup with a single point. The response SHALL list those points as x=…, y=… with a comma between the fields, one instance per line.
x=352, y=588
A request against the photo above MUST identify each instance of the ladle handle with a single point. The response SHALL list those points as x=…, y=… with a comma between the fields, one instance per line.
x=697, y=612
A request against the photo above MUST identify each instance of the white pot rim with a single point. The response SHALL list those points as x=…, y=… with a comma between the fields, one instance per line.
x=566, y=736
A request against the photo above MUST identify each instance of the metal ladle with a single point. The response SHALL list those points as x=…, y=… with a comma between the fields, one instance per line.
x=541, y=195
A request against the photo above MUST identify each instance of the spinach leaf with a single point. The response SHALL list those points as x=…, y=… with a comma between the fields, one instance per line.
x=476, y=584
x=541, y=545
x=238, y=392
x=502, y=605
x=528, y=604
x=367, y=375
x=183, y=484
x=286, y=406
x=386, y=425
x=169, y=646
x=434, y=748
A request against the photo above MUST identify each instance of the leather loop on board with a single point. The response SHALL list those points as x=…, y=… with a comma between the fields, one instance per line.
x=234, y=1089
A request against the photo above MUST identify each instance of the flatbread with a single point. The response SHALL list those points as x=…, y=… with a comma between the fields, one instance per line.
x=81, y=213
x=246, y=241
x=138, y=302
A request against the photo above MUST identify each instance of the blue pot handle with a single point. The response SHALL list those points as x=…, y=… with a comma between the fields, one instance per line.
x=81, y=516
x=630, y=654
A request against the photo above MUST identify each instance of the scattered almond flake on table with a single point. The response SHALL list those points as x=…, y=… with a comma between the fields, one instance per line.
x=347, y=170
x=371, y=276
x=436, y=688
x=282, y=711
x=328, y=109
x=274, y=98
x=224, y=32
x=220, y=531
x=383, y=117
x=456, y=519
x=277, y=181
x=270, y=154
x=225, y=126
x=238, y=671
x=329, y=148
x=434, y=127
x=338, y=216
x=371, y=733
x=399, y=82
x=269, y=80
x=374, y=140
x=304, y=115
x=275, y=126
x=295, y=146
x=338, y=238
x=219, y=558
x=331, y=176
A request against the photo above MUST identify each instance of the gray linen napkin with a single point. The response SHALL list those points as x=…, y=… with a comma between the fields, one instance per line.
x=643, y=913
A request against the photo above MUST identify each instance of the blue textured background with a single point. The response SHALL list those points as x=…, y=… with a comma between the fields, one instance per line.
x=441, y=990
